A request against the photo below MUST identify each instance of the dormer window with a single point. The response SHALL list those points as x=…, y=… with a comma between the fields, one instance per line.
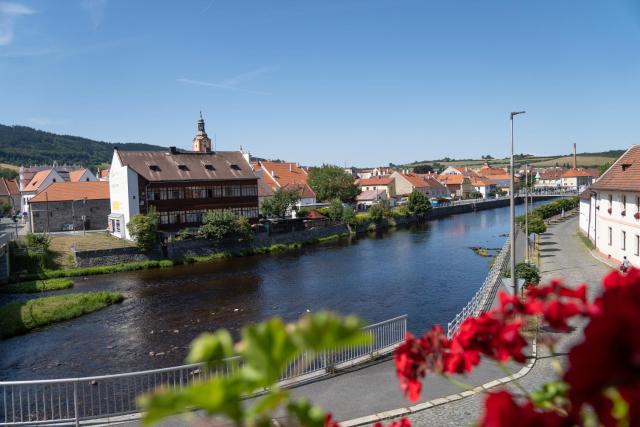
x=154, y=168
x=183, y=167
x=209, y=167
x=235, y=167
x=625, y=166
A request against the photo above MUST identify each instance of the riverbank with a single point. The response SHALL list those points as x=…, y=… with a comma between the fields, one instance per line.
x=196, y=251
x=21, y=317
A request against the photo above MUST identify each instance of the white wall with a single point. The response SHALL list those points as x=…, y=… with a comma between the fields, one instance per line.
x=123, y=187
x=49, y=179
x=618, y=224
x=588, y=219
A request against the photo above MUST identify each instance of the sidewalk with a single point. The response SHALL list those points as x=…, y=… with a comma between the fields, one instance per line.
x=562, y=256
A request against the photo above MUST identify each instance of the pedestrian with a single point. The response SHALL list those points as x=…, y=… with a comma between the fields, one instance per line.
x=625, y=264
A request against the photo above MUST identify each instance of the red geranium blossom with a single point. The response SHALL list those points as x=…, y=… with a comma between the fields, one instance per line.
x=558, y=303
x=501, y=410
x=416, y=357
x=329, y=421
x=402, y=422
x=609, y=356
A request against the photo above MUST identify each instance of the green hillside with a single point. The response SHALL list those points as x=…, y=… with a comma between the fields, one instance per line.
x=21, y=145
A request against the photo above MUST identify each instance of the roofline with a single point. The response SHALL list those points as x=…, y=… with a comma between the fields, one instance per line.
x=614, y=163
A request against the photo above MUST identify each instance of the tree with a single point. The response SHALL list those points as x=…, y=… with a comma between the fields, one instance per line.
x=282, y=200
x=603, y=168
x=335, y=209
x=423, y=169
x=222, y=224
x=418, y=204
x=332, y=182
x=376, y=212
x=144, y=229
x=8, y=173
x=536, y=225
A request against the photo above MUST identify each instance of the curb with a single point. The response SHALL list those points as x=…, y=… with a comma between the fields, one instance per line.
x=401, y=412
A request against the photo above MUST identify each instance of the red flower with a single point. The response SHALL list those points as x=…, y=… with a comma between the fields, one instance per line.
x=502, y=411
x=609, y=356
x=402, y=422
x=416, y=357
x=329, y=421
x=558, y=303
x=492, y=335
x=636, y=215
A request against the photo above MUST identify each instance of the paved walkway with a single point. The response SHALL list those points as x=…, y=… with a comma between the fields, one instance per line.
x=564, y=256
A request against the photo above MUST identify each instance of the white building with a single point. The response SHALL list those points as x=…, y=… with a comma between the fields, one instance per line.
x=616, y=209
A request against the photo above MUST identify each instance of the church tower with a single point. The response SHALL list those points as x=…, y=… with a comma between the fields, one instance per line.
x=201, y=142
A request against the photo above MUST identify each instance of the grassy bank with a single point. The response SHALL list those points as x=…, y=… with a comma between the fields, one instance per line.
x=21, y=317
x=36, y=286
x=584, y=239
x=165, y=263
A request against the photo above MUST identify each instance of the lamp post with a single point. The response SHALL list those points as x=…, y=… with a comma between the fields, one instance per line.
x=512, y=208
x=526, y=210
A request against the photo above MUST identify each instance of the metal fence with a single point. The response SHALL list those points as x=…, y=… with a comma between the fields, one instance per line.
x=75, y=401
x=483, y=299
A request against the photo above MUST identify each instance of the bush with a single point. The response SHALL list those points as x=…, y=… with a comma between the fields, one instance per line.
x=281, y=202
x=525, y=271
x=335, y=209
x=392, y=222
x=401, y=211
x=222, y=224
x=376, y=212
x=348, y=217
x=372, y=226
x=418, y=203
x=304, y=212
x=40, y=241
x=143, y=229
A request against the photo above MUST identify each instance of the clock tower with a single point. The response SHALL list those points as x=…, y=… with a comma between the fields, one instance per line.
x=201, y=142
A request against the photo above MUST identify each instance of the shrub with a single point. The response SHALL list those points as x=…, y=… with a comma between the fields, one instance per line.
x=525, y=271
x=348, y=217
x=376, y=212
x=144, y=229
x=335, y=209
x=222, y=224
x=392, y=222
x=36, y=286
x=402, y=211
x=418, y=204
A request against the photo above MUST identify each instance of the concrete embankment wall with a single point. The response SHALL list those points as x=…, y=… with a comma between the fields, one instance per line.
x=199, y=247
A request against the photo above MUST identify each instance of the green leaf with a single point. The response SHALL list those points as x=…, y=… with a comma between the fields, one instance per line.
x=326, y=331
x=267, y=403
x=267, y=348
x=307, y=415
x=550, y=395
x=218, y=396
x=620, y=410
x=211, y=348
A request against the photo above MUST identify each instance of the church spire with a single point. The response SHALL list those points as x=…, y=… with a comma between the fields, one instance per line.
x=201, y=142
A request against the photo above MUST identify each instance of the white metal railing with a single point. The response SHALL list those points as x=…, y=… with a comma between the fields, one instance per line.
x=483, y=299
x=75, y=401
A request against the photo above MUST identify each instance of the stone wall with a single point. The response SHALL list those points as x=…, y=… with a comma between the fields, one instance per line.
x=98, y=257
x=54, y=216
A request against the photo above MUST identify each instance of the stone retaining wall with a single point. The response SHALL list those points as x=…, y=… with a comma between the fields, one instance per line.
x=99, y=257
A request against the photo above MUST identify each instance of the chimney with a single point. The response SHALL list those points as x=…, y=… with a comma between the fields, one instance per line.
x=290, y=167
x=173, y=150
x=575, y=161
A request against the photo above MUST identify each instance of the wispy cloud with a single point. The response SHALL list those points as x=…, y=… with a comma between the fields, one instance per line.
x=9, y=13
x=233, y=83
x=95, y=9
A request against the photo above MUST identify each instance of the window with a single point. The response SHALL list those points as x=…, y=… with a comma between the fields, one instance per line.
x=610, y=236
x=209, y=167
x=183, y=167
x=623, y=243
x=154, y=168
x=624, y=202
x=117, y=222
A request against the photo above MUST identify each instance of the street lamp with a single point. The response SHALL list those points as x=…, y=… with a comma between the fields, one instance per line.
x=512, y=206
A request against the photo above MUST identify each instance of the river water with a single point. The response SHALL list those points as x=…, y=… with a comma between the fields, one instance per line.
x=428, y=272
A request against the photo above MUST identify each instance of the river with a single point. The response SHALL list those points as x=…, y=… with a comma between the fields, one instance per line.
x=428, y=272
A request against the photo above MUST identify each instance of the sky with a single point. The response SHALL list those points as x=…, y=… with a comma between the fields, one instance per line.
x=355, y=82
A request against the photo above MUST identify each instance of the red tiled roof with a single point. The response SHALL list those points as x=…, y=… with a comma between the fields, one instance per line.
x=371, y=195
x=481, y=181
x=376, y=180
x=572, y=173
x=551, y=174
x=624, y=174
x=37, y=179
x=8, y=187
x=487, y=170
x=416, y=180
x=74, y=176
x=287, y=175
x=64, y=191
x=452, y=179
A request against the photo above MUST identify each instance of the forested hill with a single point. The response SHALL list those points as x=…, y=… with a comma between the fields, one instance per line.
x=21, y=145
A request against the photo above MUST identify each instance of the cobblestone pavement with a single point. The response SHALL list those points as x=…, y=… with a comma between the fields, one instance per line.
x=562, y=256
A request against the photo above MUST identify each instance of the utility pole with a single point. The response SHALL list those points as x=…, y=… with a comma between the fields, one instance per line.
x=512, y=209
x=526, y=210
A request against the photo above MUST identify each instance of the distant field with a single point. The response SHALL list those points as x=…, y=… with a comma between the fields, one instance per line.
x=583, y=161
x=9, y=166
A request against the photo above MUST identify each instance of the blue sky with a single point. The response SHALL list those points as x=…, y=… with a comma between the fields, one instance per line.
x=361, y=82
